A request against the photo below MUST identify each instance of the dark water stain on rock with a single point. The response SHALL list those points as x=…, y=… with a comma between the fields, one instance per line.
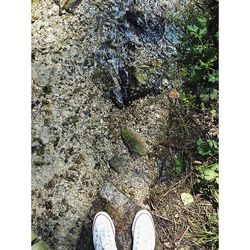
x=133, y=36
x=147, y=29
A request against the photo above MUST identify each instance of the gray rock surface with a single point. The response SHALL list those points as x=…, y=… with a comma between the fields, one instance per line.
x=76, y=131
x=118, y=162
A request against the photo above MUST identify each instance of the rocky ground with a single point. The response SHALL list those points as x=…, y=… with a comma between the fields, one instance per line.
x=80, y=163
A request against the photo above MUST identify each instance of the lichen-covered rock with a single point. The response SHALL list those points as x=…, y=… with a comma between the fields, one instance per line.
x=37, y=243
x=134, y=186
x=141, y=76
x=69, y=4
x=75, y=126
x=116, y=198
x=134, y=142
x=118, y=162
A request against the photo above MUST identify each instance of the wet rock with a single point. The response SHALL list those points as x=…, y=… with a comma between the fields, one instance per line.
x=122, y=210
x=38, y=147
x=47, y=89
x=51, y=184
x=133, y=38
x=131, y=85
x=150, y=29
x=134, y=142
x=116, y=96
x=34, y=103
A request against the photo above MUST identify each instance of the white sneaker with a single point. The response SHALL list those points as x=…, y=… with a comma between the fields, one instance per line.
x=103, y=232
x=143, y=231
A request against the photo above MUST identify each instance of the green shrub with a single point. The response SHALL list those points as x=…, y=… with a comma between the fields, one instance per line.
x=198, y=51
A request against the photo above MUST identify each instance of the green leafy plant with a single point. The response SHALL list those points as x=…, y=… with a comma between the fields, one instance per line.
x=209, y=173
x=198, y=52
x=209, y=179
x=207, y=148
x=197, y=60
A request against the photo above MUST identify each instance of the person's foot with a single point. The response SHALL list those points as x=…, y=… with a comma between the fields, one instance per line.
x=103, y=232
x=143, y=231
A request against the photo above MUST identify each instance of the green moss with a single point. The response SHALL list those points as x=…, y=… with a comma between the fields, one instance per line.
x=141, y=76
x=144, y=75
x=134, y=142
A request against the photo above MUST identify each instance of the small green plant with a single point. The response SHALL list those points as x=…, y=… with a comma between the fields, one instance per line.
x=208, y=180
x=209, y=173
x=207, y=148
x=187, y=100
x=178, y=166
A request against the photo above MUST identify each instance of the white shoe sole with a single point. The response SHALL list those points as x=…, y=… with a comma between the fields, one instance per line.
x=107, y=216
